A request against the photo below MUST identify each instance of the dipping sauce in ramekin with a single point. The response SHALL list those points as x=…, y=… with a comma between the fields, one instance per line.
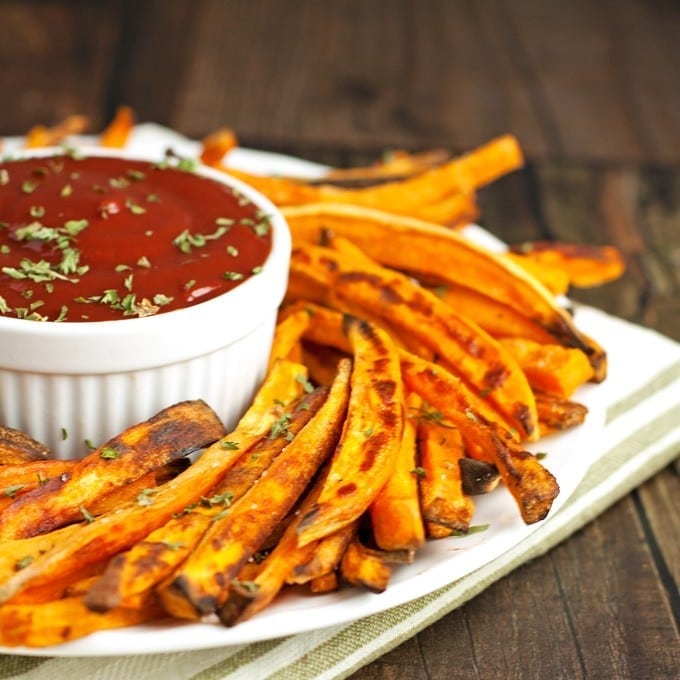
x=128, y=284
x=102, y=238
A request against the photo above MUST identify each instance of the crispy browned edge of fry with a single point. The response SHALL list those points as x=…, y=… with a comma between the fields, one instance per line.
x=202, y=583
x=371, y=435
x=18, y=447
x=171, y=433
x=532, y=486
x=478, y=476
x=245, y=600
x=151, y=560
x=443, y=500
x=365, y=568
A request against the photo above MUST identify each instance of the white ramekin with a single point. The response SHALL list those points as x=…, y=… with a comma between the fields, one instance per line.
x=66, y=384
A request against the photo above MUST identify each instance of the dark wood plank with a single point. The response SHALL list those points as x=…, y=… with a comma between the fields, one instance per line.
x=55, y=58
x=587, y=68
x=659, y=505
x=153, y=58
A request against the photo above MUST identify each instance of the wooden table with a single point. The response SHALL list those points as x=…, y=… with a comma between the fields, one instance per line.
x=591, y=91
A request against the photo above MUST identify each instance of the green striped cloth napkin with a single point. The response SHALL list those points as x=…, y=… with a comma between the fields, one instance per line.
x=641, y=436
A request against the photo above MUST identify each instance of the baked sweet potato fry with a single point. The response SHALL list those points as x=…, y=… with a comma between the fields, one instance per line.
x=395, y=515
x=396, y=164
x=584, y=265
x=18, y=447
x=459, y=177
x=325, y=556
x=202, y=583
x=217, y=145
x=497, y=318
x=172, y=433
x=554, y=278
x=117, y=531
x=365, y=568
x=153, y=559
x=59, y=621
x=556, y=413
x=550, y=368
x=40, y=135
x=477, y=476
x=442, y=498
x=425, y=249
x=288, y=334
x=327, y=583
x=532, y=486
x=18, y=479
x=18, y=554
x=245, y=600
x=415, y=312
x=368, y=449
x=118, y=131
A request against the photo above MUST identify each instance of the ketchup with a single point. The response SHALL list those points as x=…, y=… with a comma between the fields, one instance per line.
x=100, y=238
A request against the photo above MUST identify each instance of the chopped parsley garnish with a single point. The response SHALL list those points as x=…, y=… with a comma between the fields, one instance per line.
x=108, y=453
x=188, y=240
x=233, y=276
x=23, y=562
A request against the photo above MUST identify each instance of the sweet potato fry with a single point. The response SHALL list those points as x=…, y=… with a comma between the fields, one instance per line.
x=73, y=584
x=497, y=318
x=554, y=278
x=325, y=326
x=52, y=623
x=550, y=368
x=114, y=532
x=18, y=447
x=367, y=452
x=584, y=265
x=18, y=554
x=202, y=583
x=477, y=476
x=415, y=312
x=217, y=145
x=321, y=361
x=117, y=132
x=396, y=164
x=442, y=497
x=365, y=568
x=422, y=248
x=327, y=583
x=556, y=413
x=325, y=556
x=395, y=513
x=532, y=486
x=288, y=334
x=121, y=495
x=150, y=561
x=43, y=136
x=172, y=433
x=456, y=210
x=242, y=602
x=459, y=177
x=18, y=479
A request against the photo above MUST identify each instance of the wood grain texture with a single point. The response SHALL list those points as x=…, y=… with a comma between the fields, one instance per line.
x=56, y=60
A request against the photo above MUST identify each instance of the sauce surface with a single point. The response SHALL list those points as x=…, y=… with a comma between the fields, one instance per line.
x=103, y=238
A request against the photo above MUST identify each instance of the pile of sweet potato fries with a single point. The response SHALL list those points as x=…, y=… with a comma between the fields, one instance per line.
x=409, y=370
